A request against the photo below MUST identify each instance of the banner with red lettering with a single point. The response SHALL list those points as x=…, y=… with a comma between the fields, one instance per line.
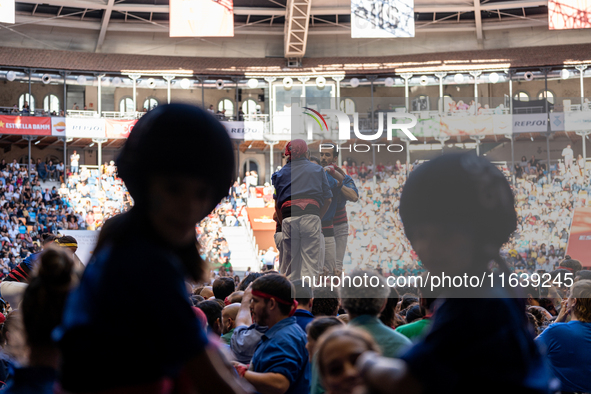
x=25, y=125
x=119, y=128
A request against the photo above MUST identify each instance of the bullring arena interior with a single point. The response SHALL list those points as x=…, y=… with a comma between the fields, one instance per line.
x=306, y=144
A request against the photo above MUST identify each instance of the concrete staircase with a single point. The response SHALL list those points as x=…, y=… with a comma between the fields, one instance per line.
x=244, y=249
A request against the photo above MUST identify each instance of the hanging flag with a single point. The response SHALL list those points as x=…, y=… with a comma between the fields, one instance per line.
x=382, y=18
x=569, y=14
x=201, y=18
x=6, y=11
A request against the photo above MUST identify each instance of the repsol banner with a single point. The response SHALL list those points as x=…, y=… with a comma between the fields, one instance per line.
x=530, y=123
x=85, y=128
x=248, y=130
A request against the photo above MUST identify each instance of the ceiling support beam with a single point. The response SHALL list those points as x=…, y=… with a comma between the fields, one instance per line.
x=297, y=21
x=277, y=12
x=104, y=24
x=478, y=20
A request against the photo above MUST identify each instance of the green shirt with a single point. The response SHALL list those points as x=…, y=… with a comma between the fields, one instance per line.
x=390, y=342
x=316, y=384
x=227, y=337
x=416, y=329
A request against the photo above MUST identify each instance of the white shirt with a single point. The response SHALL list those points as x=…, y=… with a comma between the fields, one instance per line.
x=567, y=153
x=74, y=159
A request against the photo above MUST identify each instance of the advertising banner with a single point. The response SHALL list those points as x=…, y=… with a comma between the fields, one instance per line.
x=58, y=127
x=426, y=127
x=85, y=127
x=530, y=123
x=249, y=130
x=579, y=241
x=467, y=125
x=7, y=11
x=119, y=128
x=577, y=120
x=25, y=125
x=557, y=121
x=261, y=218
x=382, y=18
x=502, y=124
x=201, y=18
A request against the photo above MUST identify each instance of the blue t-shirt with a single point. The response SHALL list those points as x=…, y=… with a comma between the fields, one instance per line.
x=109, y=317
x=31, y=260
x=301, y=178
x=479, y=344
x=350, y=183
x=303, y=318
x=335, y=190
x=283, y=350
x=568, y=348
x=32, y=380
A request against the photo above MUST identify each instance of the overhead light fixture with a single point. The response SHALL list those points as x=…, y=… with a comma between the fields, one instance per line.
x=320, y=82
x=46, y=78
x=81, y=80
x=11, y=76
x=564, y=73
x=151, y=83
x=389, y=82
x=424, y=80
x=37, y=142
x=458, y=78
x=528, y=76
x=185, y=83
x=219, y=84
x=493, y=77
x=253, y=83
x=287, y=82
x=116, y=81
x=91, y=145
x=354, y=82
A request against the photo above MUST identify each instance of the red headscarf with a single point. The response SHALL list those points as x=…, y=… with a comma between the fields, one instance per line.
x=296, y=149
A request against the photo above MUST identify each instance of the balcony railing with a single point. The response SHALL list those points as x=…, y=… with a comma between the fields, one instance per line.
x=82, y=114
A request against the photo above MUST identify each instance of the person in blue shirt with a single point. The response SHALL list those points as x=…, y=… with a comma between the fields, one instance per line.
x=305, y=298
x=457, y=210
x=281, y=362
x=302, y=197
x=335, y=182
x=347, y=192
x=154, y=242
x=568, y=345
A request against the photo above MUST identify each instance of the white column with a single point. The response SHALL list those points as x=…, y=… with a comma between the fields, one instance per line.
x=440, y=75
x=303, y=80
x=582, y=68
x=477, y=138
x=270, y=81
x=475, y=74
x=134, y=78
x=338, y=79
x=271, y=159
x=168, y=79
x=406, y=77
x=510, y=136
x=510, y=73
x=99, y=79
